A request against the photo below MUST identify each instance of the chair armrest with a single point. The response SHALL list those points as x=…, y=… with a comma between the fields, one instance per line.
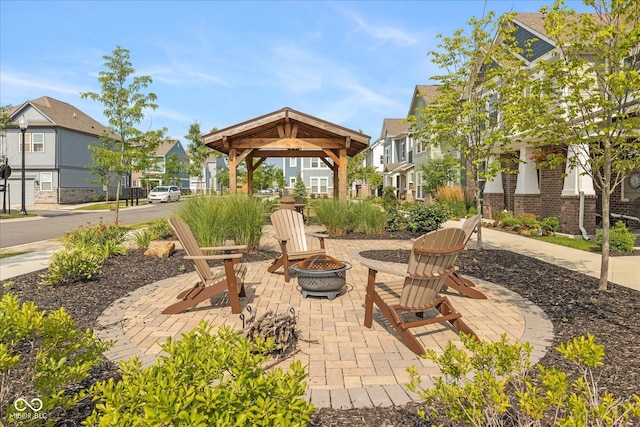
x=226, y=248
x=318, y=235
x=383, y=267
x=221, y=256
x=281, y=238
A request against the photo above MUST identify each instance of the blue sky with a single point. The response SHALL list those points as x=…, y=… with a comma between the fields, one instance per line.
x=353, y=63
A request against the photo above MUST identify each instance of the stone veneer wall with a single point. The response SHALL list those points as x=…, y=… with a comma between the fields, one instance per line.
x=79, y=195
x=570, y=212
x=45, y=196
x=526, y=203
x=492, y=202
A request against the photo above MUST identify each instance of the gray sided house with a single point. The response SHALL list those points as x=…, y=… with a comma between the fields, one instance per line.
x=210, y=176
x=317, y=176
x=157, y=174
x=396, y=140
x=56, y=153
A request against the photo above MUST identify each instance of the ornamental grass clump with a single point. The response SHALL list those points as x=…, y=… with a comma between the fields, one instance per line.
x=494, y=384
x=206, y=378
x=214, y=220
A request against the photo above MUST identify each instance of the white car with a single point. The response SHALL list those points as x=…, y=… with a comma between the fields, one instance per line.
x=164, y=193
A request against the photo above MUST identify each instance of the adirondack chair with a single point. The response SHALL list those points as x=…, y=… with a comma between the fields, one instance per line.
x=431, y=261
x=290, y=234
x=455, y=280
x=229, y=278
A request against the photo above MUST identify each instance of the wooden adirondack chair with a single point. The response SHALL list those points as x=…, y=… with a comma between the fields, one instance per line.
x=431, y=261
x=290, y=234
x=455, y=280
x=229, y=278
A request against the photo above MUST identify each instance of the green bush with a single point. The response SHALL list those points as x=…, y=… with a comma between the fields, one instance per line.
x=96, y=234
x=44, y=356
x=205, y=379
x=342, y=217
x=214, y=220
x=423, y=218
x=550, y=225
x=389, y=198
x=76, y=264
x=620, y=238
x=493, y=384
x=160, y=229
x=143, y=238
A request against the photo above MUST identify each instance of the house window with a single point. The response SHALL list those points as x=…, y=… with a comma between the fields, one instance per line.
x=31, y=139
x=293, y=162
x=46, y=181
x=319, y=185
x=317, y=163
x=403, y=149
x=292, y=182
x=387, y=154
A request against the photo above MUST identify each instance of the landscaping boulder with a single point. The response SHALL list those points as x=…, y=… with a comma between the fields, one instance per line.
x=160, y=250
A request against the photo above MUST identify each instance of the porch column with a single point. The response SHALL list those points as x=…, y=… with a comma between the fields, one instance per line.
x=578, y=180
x=493, y=195
x=527, y=194
x=233, y=164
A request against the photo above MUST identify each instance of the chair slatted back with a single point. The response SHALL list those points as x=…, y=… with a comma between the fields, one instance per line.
x=469, y=225
x=432, y=253
x=191, y=247
x=289, y=223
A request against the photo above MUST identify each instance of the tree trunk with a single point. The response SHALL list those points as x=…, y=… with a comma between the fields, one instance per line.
x=606, y=226
x=478, y=210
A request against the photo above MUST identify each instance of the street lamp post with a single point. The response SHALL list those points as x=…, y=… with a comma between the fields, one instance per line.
x=23, y=123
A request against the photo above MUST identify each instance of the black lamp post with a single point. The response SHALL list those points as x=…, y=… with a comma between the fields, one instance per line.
x=23, y=123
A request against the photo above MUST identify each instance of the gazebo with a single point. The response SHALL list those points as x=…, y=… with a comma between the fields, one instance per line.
x=288, y=133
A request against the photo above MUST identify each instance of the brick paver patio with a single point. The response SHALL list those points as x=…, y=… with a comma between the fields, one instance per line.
x=349, y=365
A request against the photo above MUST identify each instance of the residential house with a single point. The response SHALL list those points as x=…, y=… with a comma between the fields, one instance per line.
x=396, y=139
x=317, y=176
x=565, y=192
x=210, y=182
x=56, y=153
x=156, y=174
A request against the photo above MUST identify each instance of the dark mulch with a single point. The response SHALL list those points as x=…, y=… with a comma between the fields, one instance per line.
x=569, y=298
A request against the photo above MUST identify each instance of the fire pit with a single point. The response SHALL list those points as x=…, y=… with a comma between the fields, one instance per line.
x=321, y=275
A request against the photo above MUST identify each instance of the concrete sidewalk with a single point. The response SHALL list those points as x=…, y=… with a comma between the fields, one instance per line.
x=623, y=270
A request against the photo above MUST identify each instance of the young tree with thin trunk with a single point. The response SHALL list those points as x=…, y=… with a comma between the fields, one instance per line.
x=595, y=73
x=471, y=114
x=124, y=107
x=197, y=153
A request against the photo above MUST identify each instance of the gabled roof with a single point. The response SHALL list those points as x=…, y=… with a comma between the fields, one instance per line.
x=61, y=114
x=286, y=129
x=165, y=146
x=427, y=92
x=395, y=127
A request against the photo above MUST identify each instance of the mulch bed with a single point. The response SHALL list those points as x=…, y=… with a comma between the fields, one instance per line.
x=569, y=298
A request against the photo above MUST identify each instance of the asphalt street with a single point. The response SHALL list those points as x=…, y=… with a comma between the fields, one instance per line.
x=51, y=224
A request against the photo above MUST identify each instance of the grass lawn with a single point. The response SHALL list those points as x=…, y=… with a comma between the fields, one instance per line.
x=583, y=245
x=106, y=206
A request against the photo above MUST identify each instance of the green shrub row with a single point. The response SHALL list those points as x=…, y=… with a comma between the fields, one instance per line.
x=83, y=252
x=494, y=384
x=206, y=379
x=44, y=356
x=342, y=217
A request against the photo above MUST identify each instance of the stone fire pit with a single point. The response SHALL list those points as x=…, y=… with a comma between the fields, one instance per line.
x=321, y=275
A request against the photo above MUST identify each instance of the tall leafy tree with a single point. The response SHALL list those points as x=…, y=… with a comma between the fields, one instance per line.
x=174, y=167
x=104, y=158
x=125, y=104
x=438, y=173
x=595, y=72
x=197, y=153
x=472, y=113
x=265, y=175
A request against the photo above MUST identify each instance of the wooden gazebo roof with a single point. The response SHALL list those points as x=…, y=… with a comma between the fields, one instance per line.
x=288, y=133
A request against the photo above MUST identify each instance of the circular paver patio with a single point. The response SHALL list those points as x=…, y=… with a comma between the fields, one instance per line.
x=349, y=365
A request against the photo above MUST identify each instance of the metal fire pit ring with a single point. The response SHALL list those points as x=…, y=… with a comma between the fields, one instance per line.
x=327, y=283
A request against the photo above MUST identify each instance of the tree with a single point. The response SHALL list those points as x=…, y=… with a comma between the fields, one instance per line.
x=197, y=153
x=357, y=170
x=5, y=119
x=125, y=106
x=173, y=169
x=438, y=173
x=594, y=71
x=299, y=189
x=265, y=175
x=105, y=160
x=472, y=113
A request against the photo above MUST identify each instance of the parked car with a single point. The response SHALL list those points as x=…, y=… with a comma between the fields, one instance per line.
x=164, y=193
